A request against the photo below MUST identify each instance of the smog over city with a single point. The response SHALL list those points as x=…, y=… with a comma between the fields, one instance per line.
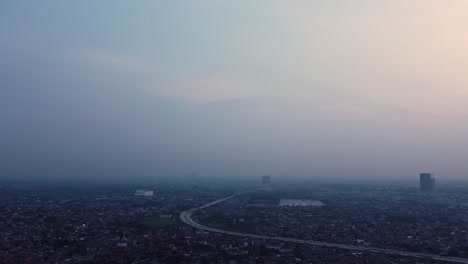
x=222, y=131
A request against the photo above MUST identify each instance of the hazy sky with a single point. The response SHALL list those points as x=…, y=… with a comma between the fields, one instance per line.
x=331, y=88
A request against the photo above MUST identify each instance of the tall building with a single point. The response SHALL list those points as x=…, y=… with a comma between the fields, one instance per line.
x=426, y=182
x=266, y=182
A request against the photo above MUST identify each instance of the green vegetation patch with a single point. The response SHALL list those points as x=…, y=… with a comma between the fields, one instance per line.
x=157, y=222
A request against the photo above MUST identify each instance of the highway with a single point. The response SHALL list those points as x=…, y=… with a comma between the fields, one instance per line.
x=186, y=217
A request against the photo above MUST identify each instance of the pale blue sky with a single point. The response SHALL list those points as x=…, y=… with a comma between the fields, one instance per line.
x=218, y=87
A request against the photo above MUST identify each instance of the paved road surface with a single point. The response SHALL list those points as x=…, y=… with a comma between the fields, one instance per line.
x=186, y=217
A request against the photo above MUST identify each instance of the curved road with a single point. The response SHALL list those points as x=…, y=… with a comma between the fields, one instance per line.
x=186, y=217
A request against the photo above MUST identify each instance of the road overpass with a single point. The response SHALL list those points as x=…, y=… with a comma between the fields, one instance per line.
x=186, y=217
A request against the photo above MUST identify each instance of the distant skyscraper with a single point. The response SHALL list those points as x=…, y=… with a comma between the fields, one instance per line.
x=266, y=182
x=426, y=182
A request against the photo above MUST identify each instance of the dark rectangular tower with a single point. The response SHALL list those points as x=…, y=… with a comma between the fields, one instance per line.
x=426, y=182
x=266, y=182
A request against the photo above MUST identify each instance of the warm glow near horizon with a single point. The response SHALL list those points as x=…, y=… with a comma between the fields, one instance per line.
x=367, y=88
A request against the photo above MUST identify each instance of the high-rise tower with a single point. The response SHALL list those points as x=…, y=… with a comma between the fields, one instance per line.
x=266, y=182
x=426, y=182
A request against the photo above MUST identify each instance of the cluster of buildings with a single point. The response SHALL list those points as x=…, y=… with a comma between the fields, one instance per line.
x=144, y=193
x=95, y=223
x=116, y=224
x=106, y=224
x=369, y=216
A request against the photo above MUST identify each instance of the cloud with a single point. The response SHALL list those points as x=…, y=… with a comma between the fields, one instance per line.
x=193, y=90
x=400, y=54
x=356, y=58
x=114, y=61
x=209, y=90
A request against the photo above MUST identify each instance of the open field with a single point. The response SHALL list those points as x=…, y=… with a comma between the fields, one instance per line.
x=157, y=222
